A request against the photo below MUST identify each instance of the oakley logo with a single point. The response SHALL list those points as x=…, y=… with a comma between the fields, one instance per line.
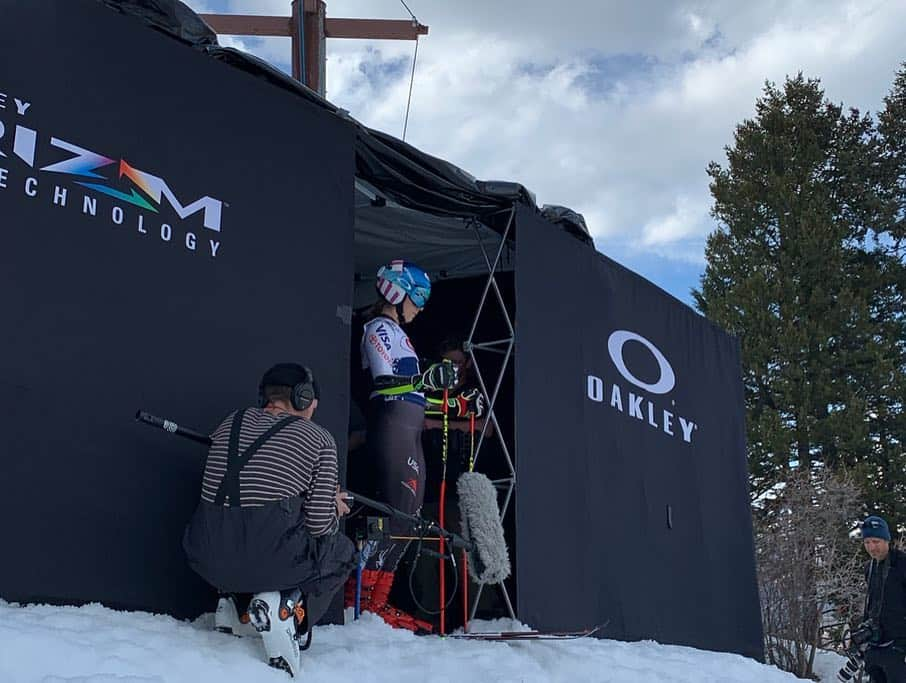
x=666, y=380
x=630, y=401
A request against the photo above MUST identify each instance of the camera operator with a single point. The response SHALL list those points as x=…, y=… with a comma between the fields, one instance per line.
x=883, y=629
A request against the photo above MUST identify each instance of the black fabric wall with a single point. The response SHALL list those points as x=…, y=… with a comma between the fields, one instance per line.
x=101, y=315
x=632, y=500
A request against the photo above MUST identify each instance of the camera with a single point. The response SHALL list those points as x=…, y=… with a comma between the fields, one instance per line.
x=851, y=668
x=859, y=639
x=864, y=634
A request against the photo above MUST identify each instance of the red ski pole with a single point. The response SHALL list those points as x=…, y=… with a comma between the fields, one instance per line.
x=443, y=501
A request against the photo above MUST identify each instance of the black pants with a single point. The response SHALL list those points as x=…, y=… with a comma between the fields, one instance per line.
x=886, y=664
x=395, y=453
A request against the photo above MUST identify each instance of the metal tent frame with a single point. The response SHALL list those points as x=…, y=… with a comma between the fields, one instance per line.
x=500, y=346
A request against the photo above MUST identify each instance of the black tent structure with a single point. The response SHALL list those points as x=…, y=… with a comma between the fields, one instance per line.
x=176, y=216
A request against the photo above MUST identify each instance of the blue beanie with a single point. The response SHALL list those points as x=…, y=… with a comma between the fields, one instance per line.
x=875, y=527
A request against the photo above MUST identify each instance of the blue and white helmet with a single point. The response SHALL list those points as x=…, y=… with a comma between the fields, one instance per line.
x=398, y=279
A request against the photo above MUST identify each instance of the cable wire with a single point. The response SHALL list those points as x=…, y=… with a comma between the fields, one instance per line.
x=412, y=76
x=411, y=82
x=409, y=10
x=418, y=554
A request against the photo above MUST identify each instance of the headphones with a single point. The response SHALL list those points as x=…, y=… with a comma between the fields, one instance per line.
x=299, y=377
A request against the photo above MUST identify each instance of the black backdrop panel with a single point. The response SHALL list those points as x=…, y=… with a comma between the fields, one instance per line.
x=632, y=496
x=114, y=298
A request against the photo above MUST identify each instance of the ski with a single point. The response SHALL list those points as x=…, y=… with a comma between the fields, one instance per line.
x=528, y=635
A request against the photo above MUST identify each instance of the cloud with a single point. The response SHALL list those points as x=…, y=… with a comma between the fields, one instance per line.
x=681, y=222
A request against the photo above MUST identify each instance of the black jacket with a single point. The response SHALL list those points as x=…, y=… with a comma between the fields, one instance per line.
x=893, y=603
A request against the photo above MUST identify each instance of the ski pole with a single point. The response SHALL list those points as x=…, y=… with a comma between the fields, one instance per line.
x=357, y=610
x=441, y=515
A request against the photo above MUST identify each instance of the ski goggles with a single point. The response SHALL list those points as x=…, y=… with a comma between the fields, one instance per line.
x=419, y=295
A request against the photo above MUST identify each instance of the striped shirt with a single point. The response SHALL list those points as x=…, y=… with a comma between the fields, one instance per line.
x=299, y=460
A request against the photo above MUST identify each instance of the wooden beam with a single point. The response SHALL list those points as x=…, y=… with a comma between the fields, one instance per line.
x=260, y=25
x=375, y=29
x=248, y=25
x=315, y=48
x=308, y=27
x=295, y=28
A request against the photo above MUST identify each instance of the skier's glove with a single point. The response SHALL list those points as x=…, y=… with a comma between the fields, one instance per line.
x=468, y=402
x=437, y=377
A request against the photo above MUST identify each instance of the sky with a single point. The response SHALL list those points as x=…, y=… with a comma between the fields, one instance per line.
x=93, y=644
x=611, y=108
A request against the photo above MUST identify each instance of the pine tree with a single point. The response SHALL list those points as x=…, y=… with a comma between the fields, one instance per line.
x=892, y=127
x=801, y=269
x=887, y=475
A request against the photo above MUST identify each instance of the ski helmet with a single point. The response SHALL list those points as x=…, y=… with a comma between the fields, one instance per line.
x=398, y=279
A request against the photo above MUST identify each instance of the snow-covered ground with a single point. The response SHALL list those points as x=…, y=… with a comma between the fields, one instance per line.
x=93, y=644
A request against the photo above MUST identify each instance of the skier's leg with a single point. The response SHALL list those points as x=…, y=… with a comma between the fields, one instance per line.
x=395, y=447
x=395, y=444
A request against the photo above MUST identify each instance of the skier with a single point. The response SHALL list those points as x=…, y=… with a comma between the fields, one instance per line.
x=269, y=514
x=396, y=413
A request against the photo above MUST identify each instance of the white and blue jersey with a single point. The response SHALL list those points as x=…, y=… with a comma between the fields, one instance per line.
x=386, y=350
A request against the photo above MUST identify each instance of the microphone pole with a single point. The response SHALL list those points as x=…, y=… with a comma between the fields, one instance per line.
x=174, y=428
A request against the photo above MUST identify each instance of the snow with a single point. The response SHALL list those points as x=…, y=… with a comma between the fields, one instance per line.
x=93, y=644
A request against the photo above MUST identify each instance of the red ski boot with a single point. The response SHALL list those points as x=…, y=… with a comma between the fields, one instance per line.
x=376, y=586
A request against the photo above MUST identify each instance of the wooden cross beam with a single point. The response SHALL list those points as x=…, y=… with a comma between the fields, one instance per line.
x=309, y=27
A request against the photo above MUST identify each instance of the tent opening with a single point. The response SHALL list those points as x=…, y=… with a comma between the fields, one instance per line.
x=472, y=306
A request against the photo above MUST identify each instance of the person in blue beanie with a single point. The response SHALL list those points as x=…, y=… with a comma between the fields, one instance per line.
x=885, y=604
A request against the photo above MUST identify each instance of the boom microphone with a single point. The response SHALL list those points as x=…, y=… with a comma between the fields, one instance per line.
x=482, y=531
x=489, y=560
